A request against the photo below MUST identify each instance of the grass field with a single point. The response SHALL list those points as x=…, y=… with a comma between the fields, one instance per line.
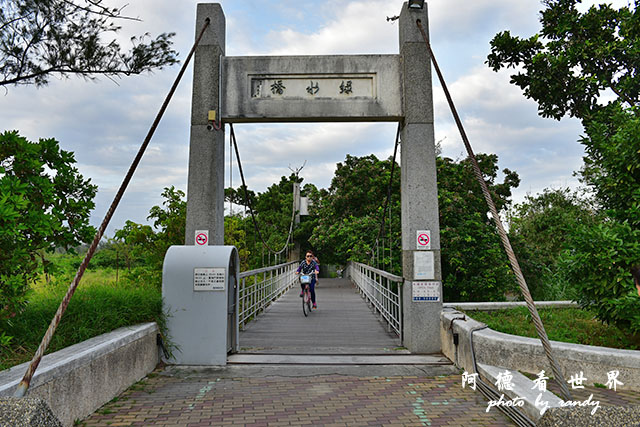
x=98, y=306
x=562, y=324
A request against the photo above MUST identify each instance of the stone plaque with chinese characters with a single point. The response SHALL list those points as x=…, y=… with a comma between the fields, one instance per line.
x=209, y=279
x=311, y=88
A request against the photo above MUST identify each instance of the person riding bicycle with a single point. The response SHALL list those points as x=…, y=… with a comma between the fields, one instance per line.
x=310, y=267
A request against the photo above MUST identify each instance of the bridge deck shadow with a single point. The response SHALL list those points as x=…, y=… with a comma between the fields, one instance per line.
x=342, y=324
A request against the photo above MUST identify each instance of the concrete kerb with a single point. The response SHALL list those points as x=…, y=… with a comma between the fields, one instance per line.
x=515, y=353
x=492, y=306
x=79, y=379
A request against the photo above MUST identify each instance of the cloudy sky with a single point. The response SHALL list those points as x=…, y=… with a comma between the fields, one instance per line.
x=104, y=123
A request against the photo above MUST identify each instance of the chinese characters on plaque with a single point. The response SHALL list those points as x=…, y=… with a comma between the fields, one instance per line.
x=313, y=87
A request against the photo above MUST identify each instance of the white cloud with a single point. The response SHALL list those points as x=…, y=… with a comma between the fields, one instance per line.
x=349, y=32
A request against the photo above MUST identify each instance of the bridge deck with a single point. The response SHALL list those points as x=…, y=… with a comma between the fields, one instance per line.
x=342, y=324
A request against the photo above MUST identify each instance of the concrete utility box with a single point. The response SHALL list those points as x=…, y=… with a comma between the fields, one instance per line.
x=199, y=289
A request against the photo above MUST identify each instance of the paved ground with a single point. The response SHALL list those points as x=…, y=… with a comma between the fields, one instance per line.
x=230, y=397
x=293, y=384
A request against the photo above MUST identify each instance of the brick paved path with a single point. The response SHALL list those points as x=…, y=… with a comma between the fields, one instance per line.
x=331, y=400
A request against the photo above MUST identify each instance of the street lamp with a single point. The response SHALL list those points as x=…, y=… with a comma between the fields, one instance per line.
x=416, y=4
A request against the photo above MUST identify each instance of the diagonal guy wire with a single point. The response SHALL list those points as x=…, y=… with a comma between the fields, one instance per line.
x=26, y=380
x=542, y=334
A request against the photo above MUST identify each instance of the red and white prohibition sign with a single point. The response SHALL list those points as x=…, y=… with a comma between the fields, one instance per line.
x=202, y=237
x=423, y=239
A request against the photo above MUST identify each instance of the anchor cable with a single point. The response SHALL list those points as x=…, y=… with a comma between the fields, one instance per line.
x=22, y=388
x=542, y=334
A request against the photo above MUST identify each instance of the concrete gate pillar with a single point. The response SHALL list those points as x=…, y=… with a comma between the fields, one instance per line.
x=205, y=189
x=420, y=264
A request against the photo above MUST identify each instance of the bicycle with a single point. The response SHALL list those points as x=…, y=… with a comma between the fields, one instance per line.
x=306, y=294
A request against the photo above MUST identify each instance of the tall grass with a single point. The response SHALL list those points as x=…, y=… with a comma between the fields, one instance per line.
x=98, y=306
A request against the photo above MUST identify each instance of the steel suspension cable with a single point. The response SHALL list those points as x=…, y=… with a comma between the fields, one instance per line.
x=387, y=200
x=542, y=334
x=26, y=380
x=246, y=196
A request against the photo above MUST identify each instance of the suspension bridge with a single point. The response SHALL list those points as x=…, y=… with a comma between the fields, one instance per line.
x=372, y=353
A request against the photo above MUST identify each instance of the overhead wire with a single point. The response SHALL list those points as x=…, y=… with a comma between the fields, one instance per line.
x=248, y=201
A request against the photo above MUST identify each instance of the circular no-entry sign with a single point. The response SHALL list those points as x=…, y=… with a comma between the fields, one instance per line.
x=423, y=239
x=202, y=237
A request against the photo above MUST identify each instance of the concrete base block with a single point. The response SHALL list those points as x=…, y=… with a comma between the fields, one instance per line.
x=26, y=411
x=605, y=416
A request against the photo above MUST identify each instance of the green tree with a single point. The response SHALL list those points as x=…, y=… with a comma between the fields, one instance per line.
x=474, y=265
x=151, y=245
x=44, y=204
x=538, y=230
x=597, y=264
x=273, y=211
x=42, y=38
x=350, y=212
x=576, y=59
x=235, y=235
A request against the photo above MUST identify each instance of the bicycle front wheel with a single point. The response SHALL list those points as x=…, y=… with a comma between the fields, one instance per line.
x=306, y=305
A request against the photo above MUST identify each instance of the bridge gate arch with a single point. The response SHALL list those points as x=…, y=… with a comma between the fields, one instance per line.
x=330, y=88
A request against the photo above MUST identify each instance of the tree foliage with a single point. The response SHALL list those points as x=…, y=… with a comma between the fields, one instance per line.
x=45, y=37
x=577, y=59
x=597, y=264
x=538, y=229
x=612, y=162
x=151, y=243
x=273, y=210
x=44, y=204
x=350, y=212
x=474, y=265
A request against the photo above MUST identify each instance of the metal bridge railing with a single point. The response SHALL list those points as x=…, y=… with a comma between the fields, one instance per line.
x=259, y=288
x=381, y=290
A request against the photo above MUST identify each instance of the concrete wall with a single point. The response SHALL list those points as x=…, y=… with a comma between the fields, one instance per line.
x=79, y=379
x=527, y=355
